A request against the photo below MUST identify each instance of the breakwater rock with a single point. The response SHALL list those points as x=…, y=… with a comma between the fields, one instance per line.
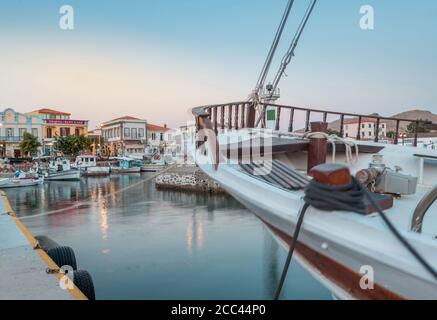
x=187, y=178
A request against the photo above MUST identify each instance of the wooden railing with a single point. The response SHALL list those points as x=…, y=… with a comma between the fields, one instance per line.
x=238, y=115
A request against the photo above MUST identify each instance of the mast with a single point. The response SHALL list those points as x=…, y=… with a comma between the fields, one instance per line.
x=265, y=70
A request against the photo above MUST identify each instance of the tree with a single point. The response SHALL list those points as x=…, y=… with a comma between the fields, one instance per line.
x=333, y=132
x=29, y=145
x=391, y=134
x=421, y=129
x=73, y=145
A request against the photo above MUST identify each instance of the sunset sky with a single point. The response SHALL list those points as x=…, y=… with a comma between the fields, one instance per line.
x=155, y=59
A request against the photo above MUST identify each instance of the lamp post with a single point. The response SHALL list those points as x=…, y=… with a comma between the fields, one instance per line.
x=403, y=136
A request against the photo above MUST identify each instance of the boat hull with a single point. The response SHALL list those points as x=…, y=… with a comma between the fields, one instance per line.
x=334, y=247
x=20, y=183
x=152, y=168
x=125, y=170
x=95, y=171
x=71, y=175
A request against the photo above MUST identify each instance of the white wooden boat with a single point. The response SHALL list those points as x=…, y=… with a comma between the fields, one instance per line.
x=126, y=165
x=253, y=152
x=20, y=182
x=59, y=169
x=336, y=247
x=87, y=164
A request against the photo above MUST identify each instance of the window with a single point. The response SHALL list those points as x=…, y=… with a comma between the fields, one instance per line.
x=370, y=133
x=363, y=126
x=383, y=126
x=65, y=132
x=21, y=132
x=134, y=133
x=49, y=133
x=126, y=132
x=9, y=132
x=35, y=132
x=161, y=136
x=141, y=133
x=77, y=132
x=153, y=136
x=363, y=134
x=370, y=125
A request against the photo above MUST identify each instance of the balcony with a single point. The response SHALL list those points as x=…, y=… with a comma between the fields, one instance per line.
x=11, y=138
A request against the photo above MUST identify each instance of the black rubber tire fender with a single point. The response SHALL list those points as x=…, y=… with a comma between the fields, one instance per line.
x=46, y=243
x=63, y=256
x=84, y=282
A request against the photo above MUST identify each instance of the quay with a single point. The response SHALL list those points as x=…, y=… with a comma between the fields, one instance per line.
x=187, y=178
x=24, y=266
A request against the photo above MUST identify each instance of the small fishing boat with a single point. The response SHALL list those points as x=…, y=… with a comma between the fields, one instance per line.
x=87, y=164
x=59, y=169
x=126, y=165
x=20, y=182
x=152, y=167
x=157, y=162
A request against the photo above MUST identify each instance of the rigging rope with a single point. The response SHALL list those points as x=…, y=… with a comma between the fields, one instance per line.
x=343, y=198
x=290, y=53
x=274, y=46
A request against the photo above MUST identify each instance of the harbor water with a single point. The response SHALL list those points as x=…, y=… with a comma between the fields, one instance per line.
x=141, y=243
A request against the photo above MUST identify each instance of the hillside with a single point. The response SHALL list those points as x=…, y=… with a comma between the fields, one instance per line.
x=411, y=114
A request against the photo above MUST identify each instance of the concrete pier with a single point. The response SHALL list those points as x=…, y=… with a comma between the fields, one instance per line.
x=187, y=178
x=23, y=269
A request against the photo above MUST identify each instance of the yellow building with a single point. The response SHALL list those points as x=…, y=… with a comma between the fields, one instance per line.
x=57, y=123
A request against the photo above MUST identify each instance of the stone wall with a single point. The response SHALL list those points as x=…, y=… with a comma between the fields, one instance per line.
x=187, y=178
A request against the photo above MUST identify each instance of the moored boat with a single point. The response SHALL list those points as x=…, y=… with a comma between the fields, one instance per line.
x=87, y=164
x=272, y=179
x=20, y=182
x=59, y=169
x=152, y=167
x=126, y=165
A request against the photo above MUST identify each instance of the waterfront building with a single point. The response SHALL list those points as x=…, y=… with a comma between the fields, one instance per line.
x=57, y=123
x=161, y=138
x=367, y=129
x=188, y=133
x=125, y=136
x=13, y=125
x=97, y=141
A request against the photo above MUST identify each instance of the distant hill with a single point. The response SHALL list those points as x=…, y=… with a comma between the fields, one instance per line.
x=411, y=114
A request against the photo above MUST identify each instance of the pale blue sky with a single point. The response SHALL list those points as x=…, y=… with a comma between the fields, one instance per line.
x=155, y=58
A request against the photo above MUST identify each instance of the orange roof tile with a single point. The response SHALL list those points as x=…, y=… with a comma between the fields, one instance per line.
x=153, y=127
x=126, y=118
x=51, y=111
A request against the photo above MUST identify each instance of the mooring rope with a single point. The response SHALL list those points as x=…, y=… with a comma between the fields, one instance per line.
x=343, y=198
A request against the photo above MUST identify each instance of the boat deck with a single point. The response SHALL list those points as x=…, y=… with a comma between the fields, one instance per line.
x=286, y=145
x=23, y=271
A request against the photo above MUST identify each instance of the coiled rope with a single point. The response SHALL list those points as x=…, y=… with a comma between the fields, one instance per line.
x=351, y=198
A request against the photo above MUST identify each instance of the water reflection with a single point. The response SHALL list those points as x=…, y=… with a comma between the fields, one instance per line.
x=140, y=243
x=195, y=233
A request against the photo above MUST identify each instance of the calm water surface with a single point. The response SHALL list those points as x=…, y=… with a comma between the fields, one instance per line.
x=140, y=243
